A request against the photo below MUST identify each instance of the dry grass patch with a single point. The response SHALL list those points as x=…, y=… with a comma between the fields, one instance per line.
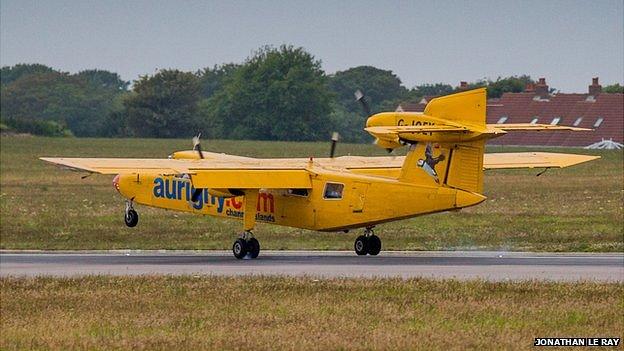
x=299, y=313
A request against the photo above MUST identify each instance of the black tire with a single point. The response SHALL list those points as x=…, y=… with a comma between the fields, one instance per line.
x=240, y=248
x=254, y=247
x=361, y=245
x=131, y=218
x=374, y=245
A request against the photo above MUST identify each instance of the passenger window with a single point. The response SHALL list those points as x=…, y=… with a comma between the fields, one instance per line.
x=333, y=191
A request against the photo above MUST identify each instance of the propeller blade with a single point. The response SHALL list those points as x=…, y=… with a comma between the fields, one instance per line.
x=359, y=96
x=334, y=141
x=197, y=145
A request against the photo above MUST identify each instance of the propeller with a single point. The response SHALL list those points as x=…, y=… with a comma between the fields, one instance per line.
x=334, y=141
x=359, y=96
x=197, y=145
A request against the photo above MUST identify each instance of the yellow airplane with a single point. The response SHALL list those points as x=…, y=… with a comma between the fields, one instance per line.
x=442, y=171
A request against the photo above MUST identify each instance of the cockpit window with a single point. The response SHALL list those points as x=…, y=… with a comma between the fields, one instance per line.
x=333, y=191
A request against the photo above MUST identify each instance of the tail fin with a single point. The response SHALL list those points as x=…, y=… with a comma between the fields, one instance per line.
x=467, y=108
x=454, y=165
x=457, y=165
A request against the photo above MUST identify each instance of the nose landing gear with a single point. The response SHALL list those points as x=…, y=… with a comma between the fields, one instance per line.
x=131, y=217
x=246, y=245
x=369, y=243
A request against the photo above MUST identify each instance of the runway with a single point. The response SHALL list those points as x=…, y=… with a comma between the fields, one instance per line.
x=488, y=265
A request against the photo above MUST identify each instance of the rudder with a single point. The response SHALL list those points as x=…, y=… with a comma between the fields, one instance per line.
x=467, y=107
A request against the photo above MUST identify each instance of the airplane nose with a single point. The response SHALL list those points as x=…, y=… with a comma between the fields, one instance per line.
x=383, y=119
x=116, y=182
x=372, y=121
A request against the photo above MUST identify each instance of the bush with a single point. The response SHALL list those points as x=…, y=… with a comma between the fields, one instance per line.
x=36, y=127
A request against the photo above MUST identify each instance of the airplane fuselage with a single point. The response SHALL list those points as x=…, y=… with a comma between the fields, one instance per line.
x=364, y=200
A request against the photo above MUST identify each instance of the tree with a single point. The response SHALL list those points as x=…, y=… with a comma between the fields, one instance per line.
x=9, y=74
x=613, y=88
x=71, y=100
x=163, y=105
x=349, y=124
x=431, y=90
x=278, y=94
x=377, y=84
x=212, y=79
x=513, y=84
x=103, y=79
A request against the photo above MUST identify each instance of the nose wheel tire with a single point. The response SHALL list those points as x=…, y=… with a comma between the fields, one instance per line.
x=131, y=218
x=367, y=245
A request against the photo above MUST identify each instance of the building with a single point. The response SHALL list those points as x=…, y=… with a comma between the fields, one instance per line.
x=595, y=110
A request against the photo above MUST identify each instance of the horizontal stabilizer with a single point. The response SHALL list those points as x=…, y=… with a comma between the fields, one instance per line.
x=534, y=127
x=533, y=160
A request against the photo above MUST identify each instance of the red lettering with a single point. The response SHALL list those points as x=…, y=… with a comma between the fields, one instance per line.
x=267, y=202
x=237, y=205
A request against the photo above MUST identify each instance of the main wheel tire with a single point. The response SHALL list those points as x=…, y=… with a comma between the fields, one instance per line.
x=361, y=245
x=374, y=245
x=254, y=247
x=131, y=218
x=240, y=248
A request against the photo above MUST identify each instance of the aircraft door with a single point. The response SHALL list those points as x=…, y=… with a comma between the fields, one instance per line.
x=357, y=198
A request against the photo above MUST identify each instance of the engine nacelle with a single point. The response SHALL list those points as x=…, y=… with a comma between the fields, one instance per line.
x=387, y=144
x=185, y=155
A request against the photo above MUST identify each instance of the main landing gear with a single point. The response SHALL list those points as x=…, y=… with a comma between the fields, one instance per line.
x=131, y=217
x=369, y=243
x=246, y=245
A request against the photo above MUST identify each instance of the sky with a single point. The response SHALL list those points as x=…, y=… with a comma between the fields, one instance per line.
x=568, y=42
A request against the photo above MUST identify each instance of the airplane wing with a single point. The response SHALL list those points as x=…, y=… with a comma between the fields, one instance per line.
x=394, y=130
x=533, y=160
x=534, y=127
x=229, y=174
x=122, y=165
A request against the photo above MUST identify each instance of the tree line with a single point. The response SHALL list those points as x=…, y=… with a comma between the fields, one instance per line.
x=276, y=94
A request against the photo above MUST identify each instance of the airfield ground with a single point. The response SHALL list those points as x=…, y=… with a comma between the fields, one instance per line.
x=299, y=313
x=43, y=207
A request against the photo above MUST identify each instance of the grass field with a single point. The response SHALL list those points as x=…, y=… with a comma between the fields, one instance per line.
x=43, y=207
x=299, y=313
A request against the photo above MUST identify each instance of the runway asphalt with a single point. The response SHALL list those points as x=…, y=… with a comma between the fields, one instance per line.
x=488, y=265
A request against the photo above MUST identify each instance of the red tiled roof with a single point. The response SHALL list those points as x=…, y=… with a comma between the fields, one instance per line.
x=522, y=108
x=417, y=106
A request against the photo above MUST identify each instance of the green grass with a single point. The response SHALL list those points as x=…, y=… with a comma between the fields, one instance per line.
x=299, y=313
x=43, y=207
